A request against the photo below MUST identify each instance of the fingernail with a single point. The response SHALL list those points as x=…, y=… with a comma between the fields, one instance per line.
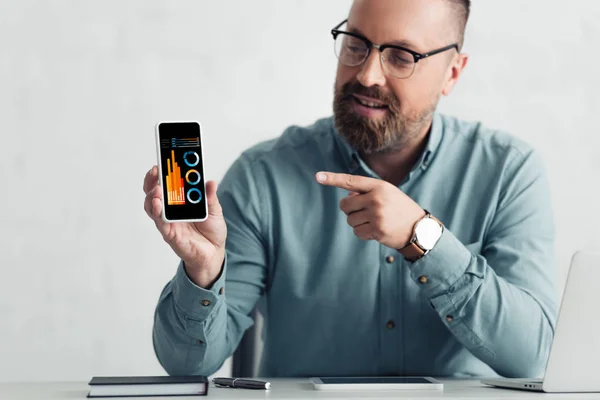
x=321, y=177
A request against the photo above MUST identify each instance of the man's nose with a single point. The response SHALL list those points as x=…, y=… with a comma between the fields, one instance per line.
x=372, y=73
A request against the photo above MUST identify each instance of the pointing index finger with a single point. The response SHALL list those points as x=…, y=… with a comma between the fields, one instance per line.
x=353, y=183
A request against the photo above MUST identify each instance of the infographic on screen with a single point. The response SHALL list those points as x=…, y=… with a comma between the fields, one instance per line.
x=182, y=171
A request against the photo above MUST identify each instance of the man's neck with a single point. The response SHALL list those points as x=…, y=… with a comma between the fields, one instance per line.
x=393, y=166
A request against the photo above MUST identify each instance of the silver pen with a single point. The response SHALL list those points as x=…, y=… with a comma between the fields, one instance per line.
x=241, y=383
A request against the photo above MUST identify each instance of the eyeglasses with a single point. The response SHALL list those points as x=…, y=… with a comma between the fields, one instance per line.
x=353, y=49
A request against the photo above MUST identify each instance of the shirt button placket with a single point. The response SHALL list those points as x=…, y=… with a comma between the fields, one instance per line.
x=390, y=331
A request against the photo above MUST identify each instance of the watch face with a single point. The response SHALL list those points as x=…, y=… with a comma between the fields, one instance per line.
x=428, y=232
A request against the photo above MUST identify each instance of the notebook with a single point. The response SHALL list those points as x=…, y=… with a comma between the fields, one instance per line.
x=137, y=386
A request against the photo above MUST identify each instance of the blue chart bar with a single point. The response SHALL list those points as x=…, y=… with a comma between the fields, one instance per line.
x=180, y=142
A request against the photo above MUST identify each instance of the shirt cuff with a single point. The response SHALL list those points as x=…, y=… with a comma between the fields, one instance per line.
x=194, y=301
x=442, y=266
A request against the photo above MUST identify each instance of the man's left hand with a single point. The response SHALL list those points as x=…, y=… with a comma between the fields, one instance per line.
x=376, y=209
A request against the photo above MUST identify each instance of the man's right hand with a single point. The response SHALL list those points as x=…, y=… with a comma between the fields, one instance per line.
x=201, y=245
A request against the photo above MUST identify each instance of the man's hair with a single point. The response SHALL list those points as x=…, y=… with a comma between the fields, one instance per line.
x=462, y=8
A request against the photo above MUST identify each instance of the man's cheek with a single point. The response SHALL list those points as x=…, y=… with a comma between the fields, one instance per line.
x=344, y=75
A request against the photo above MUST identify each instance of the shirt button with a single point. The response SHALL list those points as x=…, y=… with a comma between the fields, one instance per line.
x=389, y=259
x=222, y=290
x=205, y=303
x=423, y=279
x=390, y=324
x=449, y=318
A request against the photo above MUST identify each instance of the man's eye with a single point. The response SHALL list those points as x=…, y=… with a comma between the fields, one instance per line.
x=400, y=60
x=356, y=49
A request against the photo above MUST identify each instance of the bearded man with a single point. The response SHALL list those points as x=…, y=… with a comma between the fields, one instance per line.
x=386, y=240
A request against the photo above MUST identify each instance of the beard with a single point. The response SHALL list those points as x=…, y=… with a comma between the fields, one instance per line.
x=376, y=135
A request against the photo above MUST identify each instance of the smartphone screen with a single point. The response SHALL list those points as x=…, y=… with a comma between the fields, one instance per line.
x=181, y=170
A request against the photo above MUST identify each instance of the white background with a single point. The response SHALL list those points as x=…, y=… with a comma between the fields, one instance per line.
x=82, y=84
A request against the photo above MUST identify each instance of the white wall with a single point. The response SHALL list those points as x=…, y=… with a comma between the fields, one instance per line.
x=83, y=82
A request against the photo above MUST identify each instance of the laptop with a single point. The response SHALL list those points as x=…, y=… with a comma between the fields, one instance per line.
x=575, y=353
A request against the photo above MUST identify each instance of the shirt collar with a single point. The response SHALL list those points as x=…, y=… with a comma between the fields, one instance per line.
x=353, y=161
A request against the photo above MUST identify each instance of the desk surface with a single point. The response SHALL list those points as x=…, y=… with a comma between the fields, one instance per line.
x=291, y=389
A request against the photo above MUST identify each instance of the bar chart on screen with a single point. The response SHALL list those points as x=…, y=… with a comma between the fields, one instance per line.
x=174, y=182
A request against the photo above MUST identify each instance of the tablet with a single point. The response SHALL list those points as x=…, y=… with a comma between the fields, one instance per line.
x=377, y=383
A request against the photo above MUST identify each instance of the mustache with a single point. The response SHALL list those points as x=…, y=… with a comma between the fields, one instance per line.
x=375, y=92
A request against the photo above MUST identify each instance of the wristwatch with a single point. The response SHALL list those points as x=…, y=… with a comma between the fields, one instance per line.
x=426, y=234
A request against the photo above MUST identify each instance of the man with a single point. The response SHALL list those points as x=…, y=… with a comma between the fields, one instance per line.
x=328, y=225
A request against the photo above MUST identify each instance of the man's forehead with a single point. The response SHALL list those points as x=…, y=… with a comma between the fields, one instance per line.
x=420, y=24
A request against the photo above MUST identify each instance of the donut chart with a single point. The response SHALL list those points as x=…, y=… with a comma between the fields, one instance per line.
x=187, y=177
x=191, y=154
x=194, y=201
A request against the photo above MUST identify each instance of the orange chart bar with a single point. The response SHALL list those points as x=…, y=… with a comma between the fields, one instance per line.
x=175, y=194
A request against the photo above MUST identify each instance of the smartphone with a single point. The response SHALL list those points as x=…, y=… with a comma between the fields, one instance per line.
x=181, y=171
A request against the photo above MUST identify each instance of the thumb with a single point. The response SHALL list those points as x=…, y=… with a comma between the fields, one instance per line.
x=214, y=207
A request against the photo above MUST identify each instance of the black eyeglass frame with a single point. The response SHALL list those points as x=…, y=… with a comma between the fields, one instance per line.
x=381, y=47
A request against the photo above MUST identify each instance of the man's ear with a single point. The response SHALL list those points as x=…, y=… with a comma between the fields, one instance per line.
x=456, y=68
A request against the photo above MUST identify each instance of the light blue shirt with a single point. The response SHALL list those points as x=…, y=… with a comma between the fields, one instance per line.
x=337, y=305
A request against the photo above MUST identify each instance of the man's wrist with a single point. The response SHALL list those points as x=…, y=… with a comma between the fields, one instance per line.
x=203, y=277
x=426, y=233
x=411, y=234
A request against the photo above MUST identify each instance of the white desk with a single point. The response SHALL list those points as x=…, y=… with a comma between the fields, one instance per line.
x=291, y=389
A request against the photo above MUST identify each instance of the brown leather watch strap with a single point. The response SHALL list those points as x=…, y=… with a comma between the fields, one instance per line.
x=412, y=252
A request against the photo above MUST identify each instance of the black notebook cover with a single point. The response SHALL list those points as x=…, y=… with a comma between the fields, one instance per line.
x=150, y=380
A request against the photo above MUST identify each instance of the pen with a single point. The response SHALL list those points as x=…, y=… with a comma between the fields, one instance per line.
x=241, y=383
